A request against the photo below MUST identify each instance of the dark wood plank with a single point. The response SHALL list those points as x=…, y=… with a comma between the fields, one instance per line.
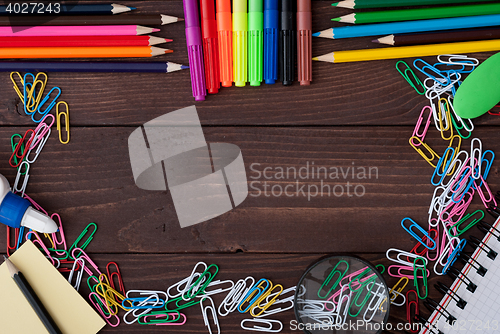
x=354, y=93
x=90, y=179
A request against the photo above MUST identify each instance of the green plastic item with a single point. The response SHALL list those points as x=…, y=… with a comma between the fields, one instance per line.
x=480, y=91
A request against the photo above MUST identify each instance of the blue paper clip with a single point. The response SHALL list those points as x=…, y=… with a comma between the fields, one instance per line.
x=49, y=107
x=486, y=169
x=135, y=303
x=256, y=288
x=471, y=182
x=415, y=235
x=446, y=167
x=454, y=255
x=445, y=79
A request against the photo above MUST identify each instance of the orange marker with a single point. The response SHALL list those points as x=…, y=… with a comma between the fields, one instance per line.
x=83, y=52
x=225, y=31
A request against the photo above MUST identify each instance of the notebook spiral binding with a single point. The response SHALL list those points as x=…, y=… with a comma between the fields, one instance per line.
x=455, y=273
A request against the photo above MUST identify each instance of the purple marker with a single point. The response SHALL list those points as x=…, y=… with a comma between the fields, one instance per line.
x=195, y=49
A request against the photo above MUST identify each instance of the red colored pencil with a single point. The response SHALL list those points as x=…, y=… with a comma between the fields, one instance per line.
x=65, y=41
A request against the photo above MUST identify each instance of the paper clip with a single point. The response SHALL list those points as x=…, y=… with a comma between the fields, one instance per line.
x=481, y=193
x=87, y=260
x=447, y=114
x=59, y=115
x=399, y=257
x=39, y=148
x=199, y=286
x=268, y=303
x=18, y=178
x=443, y=81
x=79, y=274
x=487, y=167
x=20, y=158
x=234, y=297
x=16, y=86
x=413, y=81
x=359, y=293
x=375, y=303
x=411, y=316
x=399, y=288
x=145, y=306
x=80, y=237
x=410, y=229
x=454, y=255
x=189, y=282
x=436, y=238
x=36, y=97
x=290, y=299
x=204, y=311
x=332, y=274
x=423, y=270
x=121, y=287
x=254, y=294
x=219, y=290
x=161, y=321
x=181, y=303
x=473, y=221
x=443, y=164
x=476, y=153
x=13, y=145
x=419, y=125
x=433, y=155
x=49, y=107
x=12, y=246
x=62, y=241
x=258, y=325
x=459, y=60
x=99, y=309
x=41, y=245
x=28, y=92
x=445, y=253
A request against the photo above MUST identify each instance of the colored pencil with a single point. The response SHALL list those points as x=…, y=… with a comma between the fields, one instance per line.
x=419, y=14
x=52, y=41
x=410, y=51
x=141, y=19
x=356, y=4
x=440, y=37
x=107, y=30
x=93, y=9
x=410, y=26
x=91, y=66
x=83, y=52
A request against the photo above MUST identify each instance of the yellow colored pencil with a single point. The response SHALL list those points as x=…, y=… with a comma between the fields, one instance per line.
x=82, y=52
x=410, y=51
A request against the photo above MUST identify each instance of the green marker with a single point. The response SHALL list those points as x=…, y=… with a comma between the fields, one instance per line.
x=240, y=30
x=255, y=41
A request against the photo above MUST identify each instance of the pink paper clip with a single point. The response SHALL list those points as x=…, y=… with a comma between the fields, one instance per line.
x=166, y=323
x=88, y=261
x=488, y=191
x=101, y=312
x=35, y=204
x=41, y=244
x=419, y=124
x=401, y=268
x=61, y=242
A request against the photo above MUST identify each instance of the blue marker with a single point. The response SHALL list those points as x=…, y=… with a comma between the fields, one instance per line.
x=271, y=22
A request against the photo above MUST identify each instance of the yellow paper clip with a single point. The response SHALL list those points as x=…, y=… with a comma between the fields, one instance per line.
x=109, y=294
x=34, y=97
x=58, y=117
x=422, y=154
x=449, y=125
x=269, y=302
x=457, y=149
x=16, y=87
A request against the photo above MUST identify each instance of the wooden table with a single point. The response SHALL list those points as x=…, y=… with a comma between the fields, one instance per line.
x=352, y=115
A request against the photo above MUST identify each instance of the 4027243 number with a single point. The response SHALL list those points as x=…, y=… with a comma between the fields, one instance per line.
x=33, y=8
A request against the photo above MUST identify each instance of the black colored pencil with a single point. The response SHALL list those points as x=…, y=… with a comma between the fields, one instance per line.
x=440, y=37
x=82, y=20
x=91, y=66
x=32, y=298
x=79, y=9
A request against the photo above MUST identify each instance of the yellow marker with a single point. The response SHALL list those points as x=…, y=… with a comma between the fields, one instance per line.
x=240, y=42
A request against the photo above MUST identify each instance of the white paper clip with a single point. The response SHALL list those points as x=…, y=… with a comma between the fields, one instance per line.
x=207, y=292
x=476, y=151
x=204, y=310
x=79, y=274
x=43, y=137
x=235, y=295
x=16, y=188
x=258, y=322
x=400, y=253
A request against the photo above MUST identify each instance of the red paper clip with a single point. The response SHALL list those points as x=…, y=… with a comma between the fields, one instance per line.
x=20, y=158
x=112, y=281
x=9, y=239
x=67, y=270
x=410, y=317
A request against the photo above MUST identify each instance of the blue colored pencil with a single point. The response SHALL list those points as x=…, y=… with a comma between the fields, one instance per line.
x=87, y=66
x=410, y=26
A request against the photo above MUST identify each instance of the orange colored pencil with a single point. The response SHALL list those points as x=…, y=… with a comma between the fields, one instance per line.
x=83, y=52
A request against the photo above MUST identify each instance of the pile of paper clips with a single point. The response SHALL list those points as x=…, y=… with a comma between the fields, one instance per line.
x=33, y=140
x=458, y=175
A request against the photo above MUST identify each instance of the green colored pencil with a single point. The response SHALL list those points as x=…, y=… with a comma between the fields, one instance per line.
x=352, y=4
x=420, y=13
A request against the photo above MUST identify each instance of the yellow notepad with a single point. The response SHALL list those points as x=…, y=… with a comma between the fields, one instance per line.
x=71, y=313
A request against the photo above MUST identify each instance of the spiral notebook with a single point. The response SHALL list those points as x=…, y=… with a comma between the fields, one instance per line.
x=481, y=313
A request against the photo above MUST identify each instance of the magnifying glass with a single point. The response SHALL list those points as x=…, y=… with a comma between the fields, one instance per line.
x=340, y=295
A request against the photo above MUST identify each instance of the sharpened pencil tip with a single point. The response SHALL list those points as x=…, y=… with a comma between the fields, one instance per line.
x=315, y=58
x=155, y=30
x=181, y=19
x=184, y=67
x=169, y=51
x=316, y=34
x=132, y=8
x=5, y=258
x=337, y=19
x=335, y=4
x=375, y=41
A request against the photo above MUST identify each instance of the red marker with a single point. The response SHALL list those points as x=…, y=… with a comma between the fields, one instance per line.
x=210, y=47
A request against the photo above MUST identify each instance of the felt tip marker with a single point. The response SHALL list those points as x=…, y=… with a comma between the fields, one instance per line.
x=287, y=42
x=240, y=30
x=210, y=47
x=304, y=42
x=195, y=49
x=225, y=39
x=255, y=41
x=271, y=34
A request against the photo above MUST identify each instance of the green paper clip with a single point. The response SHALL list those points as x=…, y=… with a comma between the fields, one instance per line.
x=423, y=269
x=464, y=220
x=408, y=79
x=329, y=278
x=80, y=237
